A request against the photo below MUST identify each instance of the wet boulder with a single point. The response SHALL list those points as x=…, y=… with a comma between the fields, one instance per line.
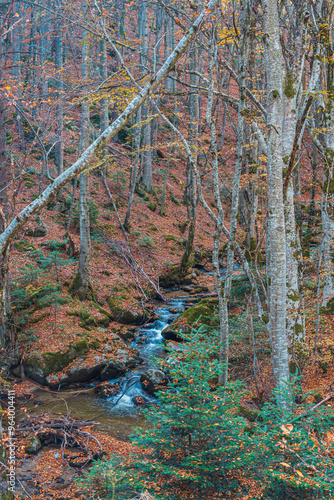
x=107, y=390
x=199, y=314
x=153, y=380
x=140, y=401
x=39, y=366
x=32, y=445
x=127, y=315
x=121, y=362
x=103, y=366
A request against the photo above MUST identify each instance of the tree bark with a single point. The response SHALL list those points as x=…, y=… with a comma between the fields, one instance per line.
x=277, y=257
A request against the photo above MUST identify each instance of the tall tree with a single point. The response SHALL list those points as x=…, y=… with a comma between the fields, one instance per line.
x=276, y=246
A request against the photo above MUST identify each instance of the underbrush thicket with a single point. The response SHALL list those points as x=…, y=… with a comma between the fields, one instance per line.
x=198, y=443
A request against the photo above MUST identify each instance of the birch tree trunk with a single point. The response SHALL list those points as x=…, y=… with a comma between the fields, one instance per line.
x=328, y=167
x=104, y=110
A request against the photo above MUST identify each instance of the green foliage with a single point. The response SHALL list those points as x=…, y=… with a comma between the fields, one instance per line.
x=105, y=479
x=38, y=284
x=294, y=456
x=198, y=441
x=93, y=213
x=146, y=241
x=197, y=437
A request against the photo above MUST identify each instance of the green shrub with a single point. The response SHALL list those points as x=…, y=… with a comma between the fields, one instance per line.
x=93, y=213
x=146, y=241
x=197, y=442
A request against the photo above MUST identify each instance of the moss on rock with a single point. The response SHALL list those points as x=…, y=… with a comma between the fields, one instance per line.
x=203, y=311
x=125, y=315
x=39, y=366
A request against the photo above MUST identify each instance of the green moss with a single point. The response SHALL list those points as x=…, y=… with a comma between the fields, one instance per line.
x=204, y=310
x=246, y=412
x=95, y=344
x=24, y=246
x=101, y=310
x=51, y=362
x=294, y=296
x=328, y=188
x=33, y=321
x=76, y=284
x=70, y=151
x=88, y=321
x=265, y=319
x=275, y=93
x=170, y=237
x=152, y=206
x=56, y=245
x=289, y=89
x=329, y=309
x=123, y=315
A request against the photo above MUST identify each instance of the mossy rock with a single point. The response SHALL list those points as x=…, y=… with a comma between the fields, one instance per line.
x=36, y=232
x=152, y=206
x=251, y=415
x=24, y=246
x=56, y=245
x=199, y=314
x=125, y=315
x=32, y=445
x=173, y=276
x=38, y=366
x=88, y=320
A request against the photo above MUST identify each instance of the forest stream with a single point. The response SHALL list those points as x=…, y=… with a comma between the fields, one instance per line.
x=117, y=415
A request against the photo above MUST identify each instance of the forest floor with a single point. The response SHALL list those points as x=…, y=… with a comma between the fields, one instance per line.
x=49, y=316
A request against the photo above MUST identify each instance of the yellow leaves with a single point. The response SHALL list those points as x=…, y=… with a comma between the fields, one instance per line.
x=285, y=464
x=299, y=473
x=226, y=35
x=31, y=290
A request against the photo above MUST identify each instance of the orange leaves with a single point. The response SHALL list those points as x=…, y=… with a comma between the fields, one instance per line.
x=286, y=429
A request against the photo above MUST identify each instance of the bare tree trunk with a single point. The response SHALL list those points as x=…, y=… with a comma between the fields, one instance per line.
x=147, y=177
x=104, y=112
x=134, y=172
x=8, y=339
x=60, y=89
x=277, y=249
x=81, y=284
x=190, y=193
x=17, y=72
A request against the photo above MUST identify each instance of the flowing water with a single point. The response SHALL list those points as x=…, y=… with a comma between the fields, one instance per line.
x=116, y=414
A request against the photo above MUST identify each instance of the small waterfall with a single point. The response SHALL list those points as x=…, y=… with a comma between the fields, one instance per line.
x=150, y=344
